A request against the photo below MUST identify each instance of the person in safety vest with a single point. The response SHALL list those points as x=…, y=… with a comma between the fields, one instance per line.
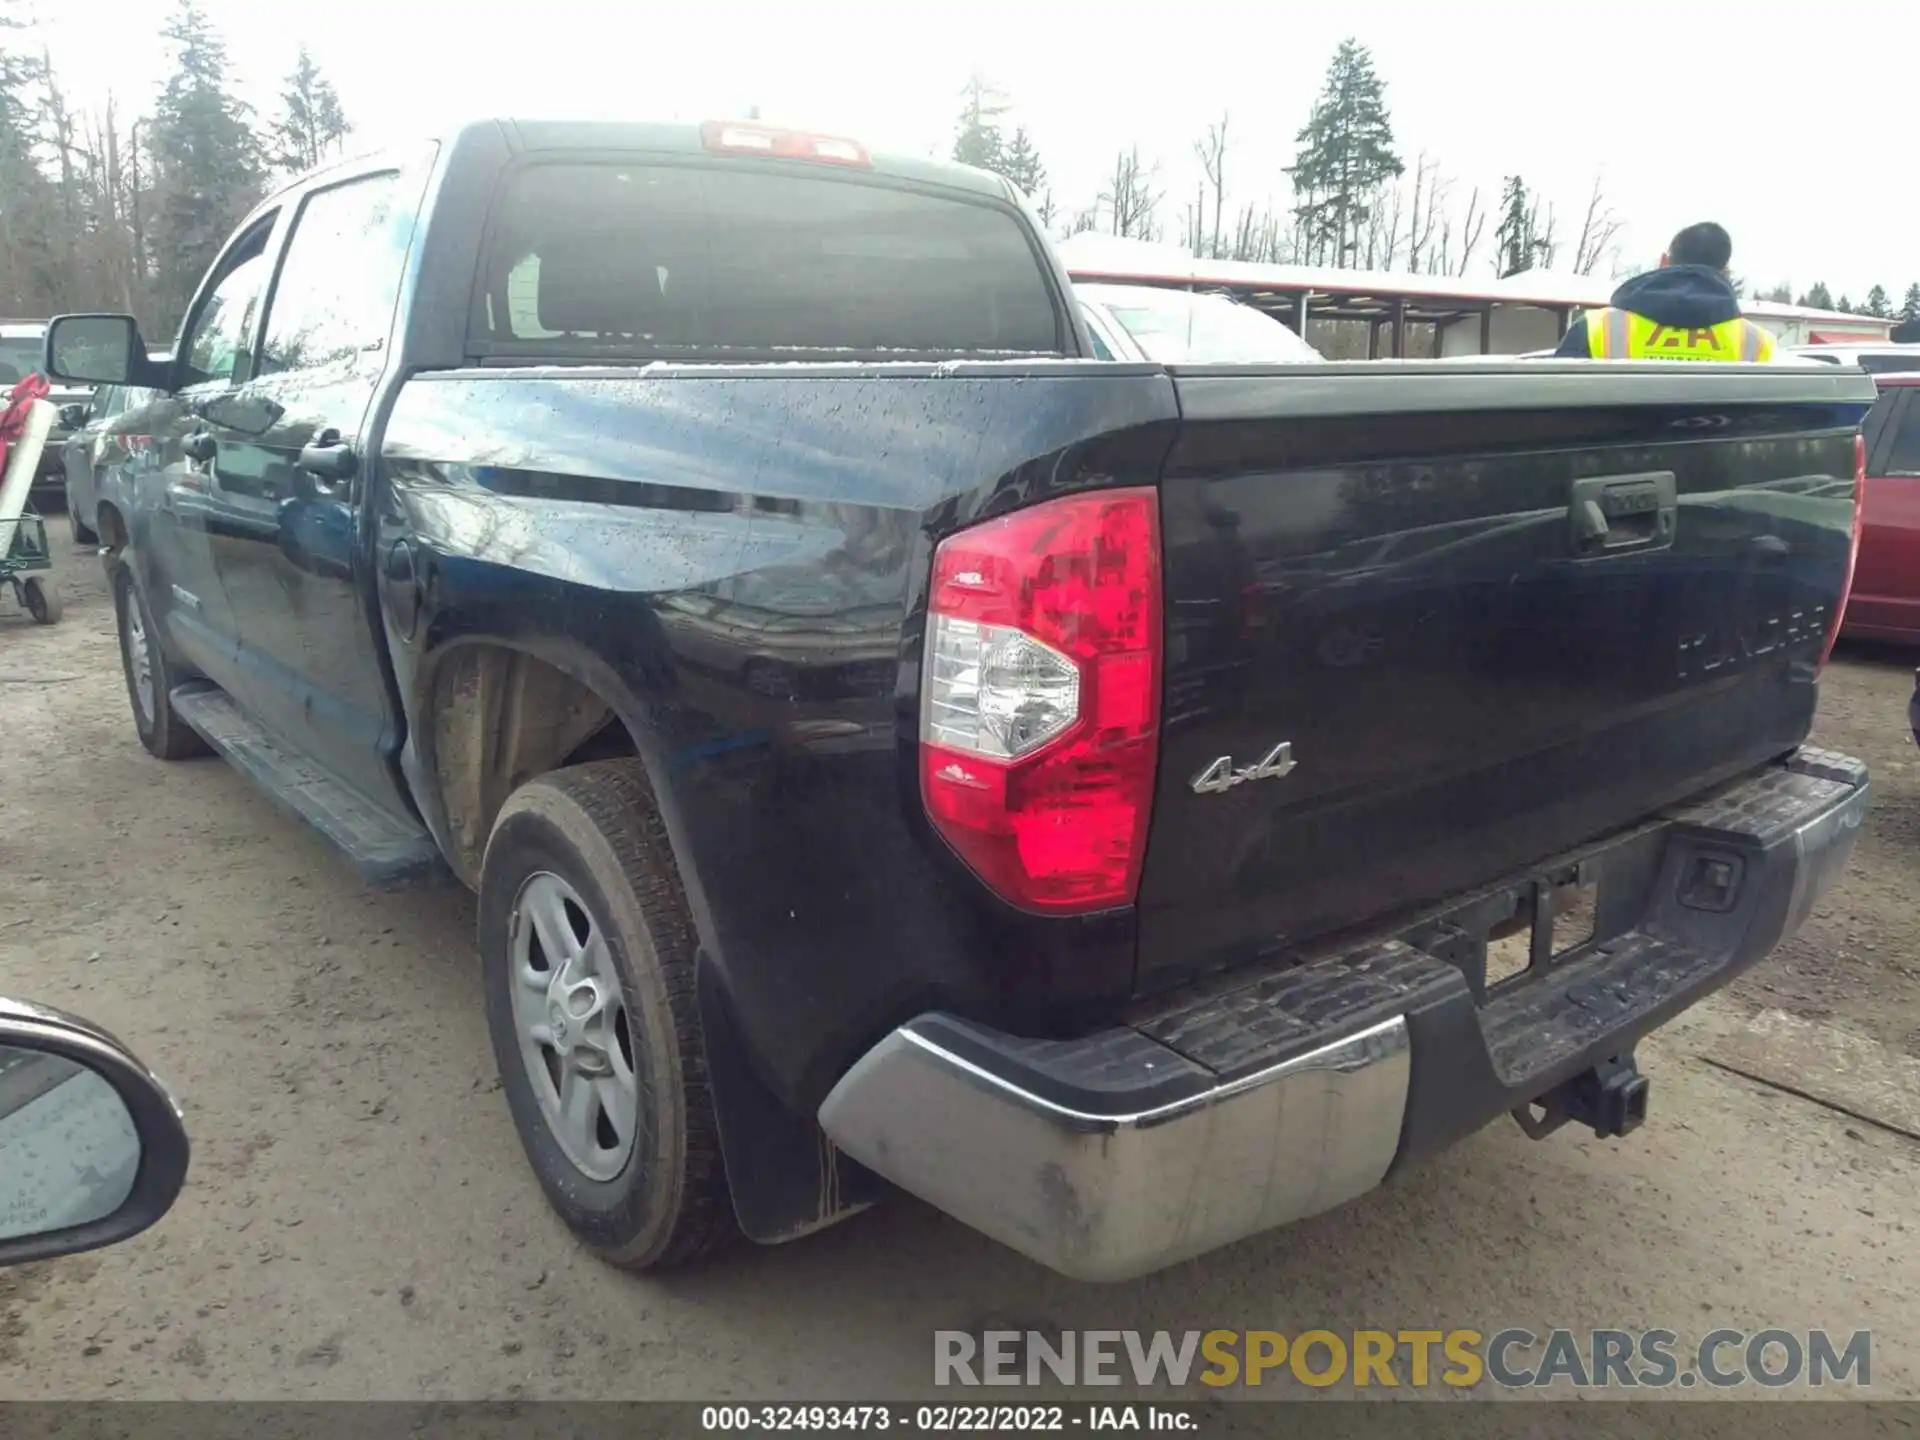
x=1685, y=310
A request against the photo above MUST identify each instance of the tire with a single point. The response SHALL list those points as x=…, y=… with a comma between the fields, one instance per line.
x=42, y=599
x=158, y=724
x=585, y=848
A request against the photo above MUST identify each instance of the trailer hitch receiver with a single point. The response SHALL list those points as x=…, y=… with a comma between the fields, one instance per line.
x=1610, y=1099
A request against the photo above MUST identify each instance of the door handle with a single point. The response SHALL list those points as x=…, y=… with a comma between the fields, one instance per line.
x=329, y=459
x=1612, y=513
x=200, y=446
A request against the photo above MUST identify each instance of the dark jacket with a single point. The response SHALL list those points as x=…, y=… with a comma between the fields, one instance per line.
x=1687, y=297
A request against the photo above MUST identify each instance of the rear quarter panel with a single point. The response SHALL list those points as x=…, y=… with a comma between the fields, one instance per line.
x=736, y=561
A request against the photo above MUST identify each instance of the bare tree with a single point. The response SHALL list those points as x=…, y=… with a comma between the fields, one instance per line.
x=1382, y=230
x=1598, y=233
x=1471, y=229
x=1212, y=152
x=1132, y=202
x=1257, y=237
x=1430, y=191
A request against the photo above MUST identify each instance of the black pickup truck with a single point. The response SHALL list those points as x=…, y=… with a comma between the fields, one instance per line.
x=1127, y=806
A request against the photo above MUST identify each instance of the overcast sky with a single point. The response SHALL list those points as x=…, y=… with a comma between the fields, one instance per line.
x=1790, y=126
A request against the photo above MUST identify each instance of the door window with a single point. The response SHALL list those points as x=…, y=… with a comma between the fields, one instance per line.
x=218, y=343
x=338, y=286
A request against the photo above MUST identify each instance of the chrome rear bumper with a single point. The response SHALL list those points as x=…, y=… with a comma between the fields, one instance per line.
x=1100, y=1194
x=1230, y=1111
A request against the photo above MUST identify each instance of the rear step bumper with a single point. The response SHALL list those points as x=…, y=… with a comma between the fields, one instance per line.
x=1267, y=1099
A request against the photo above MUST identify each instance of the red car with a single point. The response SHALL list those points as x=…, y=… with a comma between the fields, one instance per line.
x=1885, y=604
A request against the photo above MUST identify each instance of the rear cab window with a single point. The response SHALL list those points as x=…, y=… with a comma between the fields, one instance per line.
x=1899, y=442
x=1888, y=362
x=651, y=258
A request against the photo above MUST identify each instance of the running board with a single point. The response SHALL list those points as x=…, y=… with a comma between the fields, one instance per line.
x=390, y=853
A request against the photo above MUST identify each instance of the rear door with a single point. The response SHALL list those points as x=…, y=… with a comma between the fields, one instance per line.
x=172, y=466
x=291, y=442
x=1387, y=604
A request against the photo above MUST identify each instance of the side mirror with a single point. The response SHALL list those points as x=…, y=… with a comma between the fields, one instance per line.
x=92, y=1149
x=98, y=350
x=246, y=413
x=73, y=416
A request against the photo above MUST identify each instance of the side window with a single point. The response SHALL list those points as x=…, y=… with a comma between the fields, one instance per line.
x=341, y=279
x=219, y=342
x=1100, y=350
x=1903, y=455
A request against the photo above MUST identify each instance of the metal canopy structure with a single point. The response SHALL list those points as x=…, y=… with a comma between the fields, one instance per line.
x=1541, y=304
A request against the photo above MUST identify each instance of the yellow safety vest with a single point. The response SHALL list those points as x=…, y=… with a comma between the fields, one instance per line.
x=1616, y=334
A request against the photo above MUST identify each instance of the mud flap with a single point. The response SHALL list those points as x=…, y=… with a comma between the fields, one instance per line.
x=787, y=1178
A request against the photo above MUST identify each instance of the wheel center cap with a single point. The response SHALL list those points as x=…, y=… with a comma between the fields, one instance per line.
x=558, y=1022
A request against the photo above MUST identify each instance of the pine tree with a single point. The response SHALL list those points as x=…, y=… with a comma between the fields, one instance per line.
x=1346, y=154
x=28, y=204
x=979, y=142
x=1910, y=306
x=206, y=158
x=1516, y=246
x=1819, y=297
x=1877, y=305
x=311, y=124
x=1844, y=305
x=1020, y=163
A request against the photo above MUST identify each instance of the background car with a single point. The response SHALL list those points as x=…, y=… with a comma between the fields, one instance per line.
x=1186, y=327
x=20, y=343
x=1874, y=359
x=86, y=447
x=1885, y=604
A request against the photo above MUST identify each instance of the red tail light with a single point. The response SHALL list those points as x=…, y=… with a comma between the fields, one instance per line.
x=1040, y=698
x=1853, y=549
x=725, y=135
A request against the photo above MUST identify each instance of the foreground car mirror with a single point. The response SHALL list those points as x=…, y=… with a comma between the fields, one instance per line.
x=99, y=350
x=92, y=1149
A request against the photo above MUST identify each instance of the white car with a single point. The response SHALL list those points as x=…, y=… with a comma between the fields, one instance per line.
x=1881, y=359
x=1186, y=327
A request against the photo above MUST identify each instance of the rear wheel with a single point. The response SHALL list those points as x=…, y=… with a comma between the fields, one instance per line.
x=149, y=678
x=587, y=952
x=42, y=599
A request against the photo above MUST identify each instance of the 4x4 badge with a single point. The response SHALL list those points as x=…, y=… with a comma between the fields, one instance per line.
x=1220, y=776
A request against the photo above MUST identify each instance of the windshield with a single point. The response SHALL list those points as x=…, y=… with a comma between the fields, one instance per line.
x=1176, y=327
x=19, y=357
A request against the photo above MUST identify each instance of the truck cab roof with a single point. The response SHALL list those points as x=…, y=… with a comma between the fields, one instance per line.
x=523, y=136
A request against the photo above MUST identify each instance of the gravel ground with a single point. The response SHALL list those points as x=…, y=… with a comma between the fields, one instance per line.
x=358, y=1221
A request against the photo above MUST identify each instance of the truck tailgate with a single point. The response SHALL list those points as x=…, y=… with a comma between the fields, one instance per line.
x=1489, y=613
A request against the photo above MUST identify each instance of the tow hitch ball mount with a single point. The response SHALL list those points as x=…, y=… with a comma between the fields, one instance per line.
x=1610, y=1099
